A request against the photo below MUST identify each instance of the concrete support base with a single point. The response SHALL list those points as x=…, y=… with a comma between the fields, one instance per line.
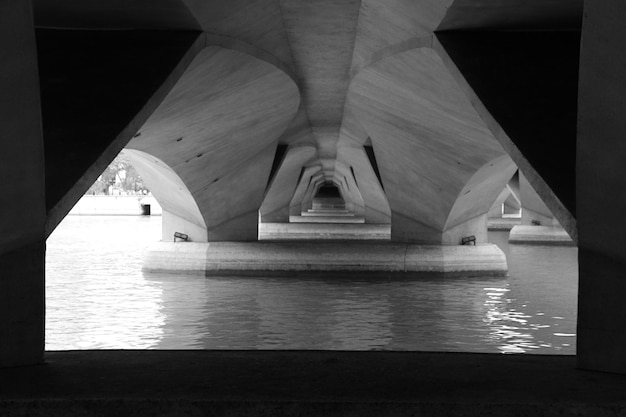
x=406, y=229
x=502, y=224
x=540, y=235
x=241, y=228
x=172, y=223
x=328, y=219
x=279, y=258
x=321, y=231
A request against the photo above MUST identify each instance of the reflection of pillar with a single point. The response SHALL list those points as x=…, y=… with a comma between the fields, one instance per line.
x=534, y=210
x=22, y=224
x=601, y=179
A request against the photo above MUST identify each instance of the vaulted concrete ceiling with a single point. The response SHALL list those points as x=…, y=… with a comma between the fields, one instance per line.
x=332, y=76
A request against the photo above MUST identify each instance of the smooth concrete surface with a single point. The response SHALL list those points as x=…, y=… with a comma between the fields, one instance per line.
x=22, y=205
x=307, y=383
x=275, y=206
x=423, y=154
x=222, y=162
x=327, y=219
x=356, y=164
x=327, y=212
x=540, y=235
x=171, y=224
x=289, y=257
x=600, y=202
x=496, y=224
x=313, y=231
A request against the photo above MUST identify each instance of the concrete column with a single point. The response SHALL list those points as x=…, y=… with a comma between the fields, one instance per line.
x=275, y=207
x=22, y=223
x=600, y=182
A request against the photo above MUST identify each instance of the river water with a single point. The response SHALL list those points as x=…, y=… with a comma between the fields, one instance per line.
x=98, y=298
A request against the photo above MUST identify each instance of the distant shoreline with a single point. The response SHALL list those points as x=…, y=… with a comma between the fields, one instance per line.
x=116, y=205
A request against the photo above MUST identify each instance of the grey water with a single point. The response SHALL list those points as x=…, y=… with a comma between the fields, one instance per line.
x=98, y=298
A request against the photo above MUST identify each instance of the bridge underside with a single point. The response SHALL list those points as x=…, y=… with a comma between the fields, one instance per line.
x=398, y=106
x=417, y=112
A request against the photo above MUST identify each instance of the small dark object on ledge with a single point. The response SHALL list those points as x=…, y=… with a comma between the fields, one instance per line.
x=181, y=236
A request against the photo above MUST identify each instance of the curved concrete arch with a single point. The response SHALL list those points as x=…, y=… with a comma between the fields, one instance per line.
x=275, y=206
x=351, y=201
x=307, y=200
x=309, y=174
x=561, y=212
x=428, y=139
x=172, y=194
x=218, y=129
x=477, y=197
x=382, y=24
x=350, y=188
x=258, y=23
x=358, y=166
x=393, y=49
x=351, y=197
x=234, y=44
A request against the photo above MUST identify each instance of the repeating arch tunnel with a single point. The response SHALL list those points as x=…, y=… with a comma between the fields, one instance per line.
x=271, y=99
x=207, y=150
x=418, y=111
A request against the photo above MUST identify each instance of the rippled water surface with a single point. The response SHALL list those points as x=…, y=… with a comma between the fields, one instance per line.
x=98, y=297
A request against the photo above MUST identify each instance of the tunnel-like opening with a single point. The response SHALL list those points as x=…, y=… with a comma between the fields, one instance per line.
x=328, y=190
x=328, y=197
x=217, y=175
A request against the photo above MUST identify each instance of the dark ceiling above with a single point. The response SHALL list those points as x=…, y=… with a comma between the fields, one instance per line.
x=114, y=14
x=513, y=15
x=529, y=82
x=92, y=85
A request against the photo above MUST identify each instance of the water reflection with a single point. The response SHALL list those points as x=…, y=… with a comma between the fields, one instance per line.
x=96, y=295
x=98, y=298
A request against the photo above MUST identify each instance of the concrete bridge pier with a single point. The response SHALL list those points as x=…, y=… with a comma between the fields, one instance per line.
x=23, y=219
x=600, y=202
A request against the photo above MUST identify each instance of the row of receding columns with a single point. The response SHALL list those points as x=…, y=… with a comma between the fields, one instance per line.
x=601, y=177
